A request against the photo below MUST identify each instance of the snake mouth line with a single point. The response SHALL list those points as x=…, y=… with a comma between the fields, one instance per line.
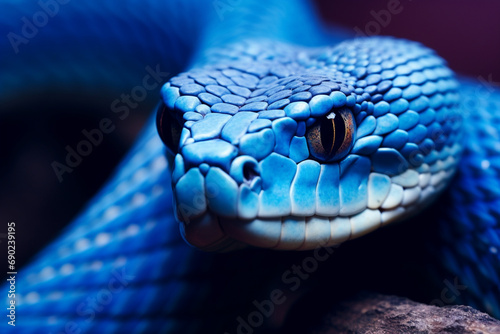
x=210, y=232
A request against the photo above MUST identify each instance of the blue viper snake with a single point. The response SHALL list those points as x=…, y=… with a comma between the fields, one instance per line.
x=291, y=138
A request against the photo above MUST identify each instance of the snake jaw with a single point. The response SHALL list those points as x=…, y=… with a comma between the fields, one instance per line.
x=248, y=166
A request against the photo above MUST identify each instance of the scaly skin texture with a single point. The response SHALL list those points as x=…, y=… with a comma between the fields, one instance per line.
x=470, y=227
x=246, y=131
x=122, y=264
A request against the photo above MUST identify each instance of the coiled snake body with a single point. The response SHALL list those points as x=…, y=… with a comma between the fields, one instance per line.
x=269, y=144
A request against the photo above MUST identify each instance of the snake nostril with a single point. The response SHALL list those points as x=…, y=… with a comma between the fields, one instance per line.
x=245, y=170
x=249, y=172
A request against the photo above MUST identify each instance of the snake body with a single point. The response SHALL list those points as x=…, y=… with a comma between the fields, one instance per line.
x=269, y=144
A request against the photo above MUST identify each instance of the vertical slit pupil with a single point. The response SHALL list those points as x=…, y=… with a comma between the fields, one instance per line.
x=332, y=136
x=328, y=135
x=340, y=128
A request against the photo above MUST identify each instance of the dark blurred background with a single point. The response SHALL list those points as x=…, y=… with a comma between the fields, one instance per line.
x=34, y=135
x=464, y=32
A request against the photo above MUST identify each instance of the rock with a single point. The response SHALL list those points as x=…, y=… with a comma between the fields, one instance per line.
x=377, y=314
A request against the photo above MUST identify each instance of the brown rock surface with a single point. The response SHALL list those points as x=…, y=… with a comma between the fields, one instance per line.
x=377, y=314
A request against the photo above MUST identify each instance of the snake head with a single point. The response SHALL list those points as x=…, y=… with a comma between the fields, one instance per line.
x=283, y=147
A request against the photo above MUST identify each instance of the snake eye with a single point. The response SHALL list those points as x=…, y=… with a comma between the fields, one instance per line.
x=169, y=128
x=332, y=137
